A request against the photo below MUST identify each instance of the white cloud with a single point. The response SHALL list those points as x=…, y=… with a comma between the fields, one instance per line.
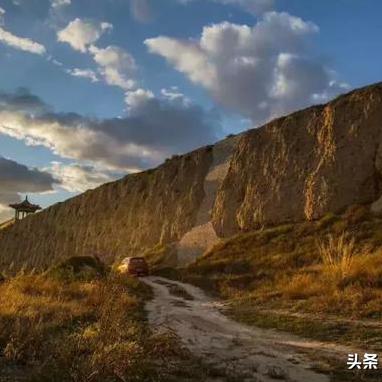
x=260, y=72
x=136, y=98
x=116, y=65
x=174, y=95
x=84, y=73
x=79, y=178
x=187, y=57
x=20, y=43
x=60, y=3
x=55, y=62
x=79, y=34
x=153, y=130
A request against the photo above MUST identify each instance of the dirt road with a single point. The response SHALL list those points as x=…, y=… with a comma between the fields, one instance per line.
x=251, y=354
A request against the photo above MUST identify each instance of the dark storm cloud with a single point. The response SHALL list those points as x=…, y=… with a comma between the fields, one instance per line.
x=22, y=99
x=17, y=178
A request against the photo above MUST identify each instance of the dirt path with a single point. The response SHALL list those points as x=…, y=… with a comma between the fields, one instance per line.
x=252, y=354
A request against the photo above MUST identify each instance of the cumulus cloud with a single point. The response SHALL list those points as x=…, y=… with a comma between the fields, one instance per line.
x=79, y=178
x=135, y=99
x=20, y=43
x=153, y=130
x=80, y=34
x=17, y=178
x=260, y=72
x=116, y=66
x=84, y=73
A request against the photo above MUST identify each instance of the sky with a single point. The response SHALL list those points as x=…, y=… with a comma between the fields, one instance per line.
x=91, y=90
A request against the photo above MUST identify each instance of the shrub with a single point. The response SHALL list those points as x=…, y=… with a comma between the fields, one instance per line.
x=79, y=267
x=337, y=255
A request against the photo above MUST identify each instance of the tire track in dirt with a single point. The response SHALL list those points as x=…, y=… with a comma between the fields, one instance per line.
x=251, y=354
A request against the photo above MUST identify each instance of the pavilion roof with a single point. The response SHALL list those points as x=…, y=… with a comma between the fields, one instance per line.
x=25, y=206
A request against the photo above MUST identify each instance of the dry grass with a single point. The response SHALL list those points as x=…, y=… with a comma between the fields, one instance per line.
x=311, y=268
x=337, y=255
x=55, y=330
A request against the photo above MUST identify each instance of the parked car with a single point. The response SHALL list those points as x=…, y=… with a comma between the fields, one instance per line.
x=135, y=266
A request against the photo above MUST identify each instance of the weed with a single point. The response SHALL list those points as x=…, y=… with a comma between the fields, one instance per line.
x=337, y=254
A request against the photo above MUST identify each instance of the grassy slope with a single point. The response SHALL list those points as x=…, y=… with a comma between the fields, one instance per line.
x=280, y=277
x=55, y=329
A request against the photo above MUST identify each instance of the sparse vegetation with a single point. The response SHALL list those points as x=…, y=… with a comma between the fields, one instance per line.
x=58, y=327
x=79, y=267
x=161, y=255
x=299, y=276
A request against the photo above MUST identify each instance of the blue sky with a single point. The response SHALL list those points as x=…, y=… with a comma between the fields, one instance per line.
x=93, y=89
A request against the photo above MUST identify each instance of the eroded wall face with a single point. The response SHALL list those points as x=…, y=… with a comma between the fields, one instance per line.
x=315, y=161
x=304, y=165
x=117, y=219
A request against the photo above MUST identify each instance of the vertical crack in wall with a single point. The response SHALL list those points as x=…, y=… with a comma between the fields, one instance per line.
x=316, y=188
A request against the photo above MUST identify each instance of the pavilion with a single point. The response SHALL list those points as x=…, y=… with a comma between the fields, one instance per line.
x=24, y=209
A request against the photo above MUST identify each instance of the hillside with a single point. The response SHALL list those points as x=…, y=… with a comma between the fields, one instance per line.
x=319, y=279
x=299, y=167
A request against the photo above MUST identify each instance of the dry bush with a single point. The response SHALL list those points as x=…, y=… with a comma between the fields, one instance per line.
x=366, y=271
x=337, y=255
